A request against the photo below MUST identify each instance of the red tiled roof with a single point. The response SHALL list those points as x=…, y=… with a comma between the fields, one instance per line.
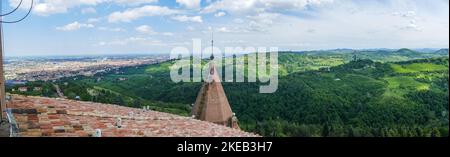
x=37, y=116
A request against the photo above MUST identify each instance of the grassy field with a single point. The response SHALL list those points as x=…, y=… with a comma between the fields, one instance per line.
x=405, y=82
x=418, y=67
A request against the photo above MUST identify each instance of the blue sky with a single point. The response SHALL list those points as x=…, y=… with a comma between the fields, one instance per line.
x=79, y=27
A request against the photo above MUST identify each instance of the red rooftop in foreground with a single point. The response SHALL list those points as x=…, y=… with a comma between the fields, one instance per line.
x=47, y=117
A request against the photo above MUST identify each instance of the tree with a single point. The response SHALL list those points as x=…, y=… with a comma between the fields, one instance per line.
x=137, y=103
x=325, y=130
x=435, y=133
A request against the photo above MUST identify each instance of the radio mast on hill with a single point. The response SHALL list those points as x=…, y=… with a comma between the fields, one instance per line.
x=2, y=73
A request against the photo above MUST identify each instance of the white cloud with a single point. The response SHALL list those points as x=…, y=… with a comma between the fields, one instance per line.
x=88, y=11
x=220, y=14
x=223, y=29
x=48, y=7
x=184, y=18
x=117, y=29
x=238, y=20
x=167, y=34
x=229, y=5
x=229, y=30
x=289, y=24
x=190, y=4
x=145, y=29
x=261, y=5
x=136, y=13
x=411, y=17
x=406, y=14
x=262, y=22
x=190, y=28
x=412, y=26
x=134, y=2
x=93, y=20
x=74, y=26
x=45, y=9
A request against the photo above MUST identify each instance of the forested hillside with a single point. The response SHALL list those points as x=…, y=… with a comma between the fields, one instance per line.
x=321, y=93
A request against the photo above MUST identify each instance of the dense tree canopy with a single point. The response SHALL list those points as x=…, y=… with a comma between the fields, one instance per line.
x=318, y=95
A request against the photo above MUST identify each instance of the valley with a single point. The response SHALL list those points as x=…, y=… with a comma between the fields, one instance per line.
x=333, y=93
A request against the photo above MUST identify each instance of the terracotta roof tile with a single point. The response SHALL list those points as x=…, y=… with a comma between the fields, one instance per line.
x=36, y=116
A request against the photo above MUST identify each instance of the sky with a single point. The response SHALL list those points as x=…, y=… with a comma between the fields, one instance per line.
x=97, y=27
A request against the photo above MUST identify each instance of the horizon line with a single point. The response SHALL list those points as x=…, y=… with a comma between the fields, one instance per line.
x=164, y=53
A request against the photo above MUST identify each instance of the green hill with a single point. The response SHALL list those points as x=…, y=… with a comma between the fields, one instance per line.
x=442, y=52
x=364, y=97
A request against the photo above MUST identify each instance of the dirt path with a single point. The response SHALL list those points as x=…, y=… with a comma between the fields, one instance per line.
x=58, y=90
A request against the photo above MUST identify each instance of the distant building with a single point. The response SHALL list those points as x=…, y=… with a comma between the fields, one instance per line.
x=23, y=89
x=37, y=89
x=122, y=79
x=325, y=69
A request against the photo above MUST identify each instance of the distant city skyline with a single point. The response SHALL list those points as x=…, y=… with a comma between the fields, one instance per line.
x=120, y=27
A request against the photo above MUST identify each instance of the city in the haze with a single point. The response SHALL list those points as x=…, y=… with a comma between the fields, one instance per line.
x=47, y=68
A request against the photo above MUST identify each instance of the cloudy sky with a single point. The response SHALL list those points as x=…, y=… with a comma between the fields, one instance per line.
x=71, y=27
